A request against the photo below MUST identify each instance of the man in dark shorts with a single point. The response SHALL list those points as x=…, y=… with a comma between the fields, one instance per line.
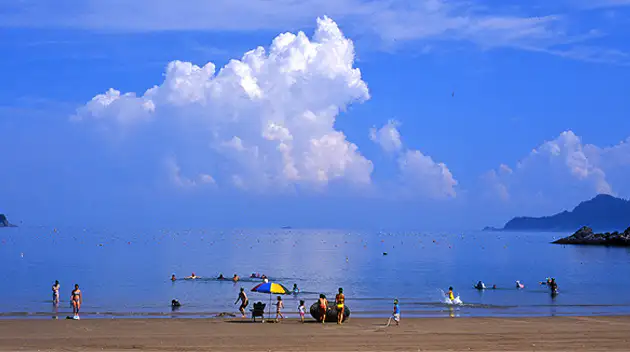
x=244, y=301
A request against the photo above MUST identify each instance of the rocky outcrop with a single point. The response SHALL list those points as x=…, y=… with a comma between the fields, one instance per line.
x=331, y=313
x=585, y=235
x=4, y=222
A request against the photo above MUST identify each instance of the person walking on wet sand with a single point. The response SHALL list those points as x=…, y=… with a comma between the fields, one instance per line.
x=279, y=306
x=323, y=307
x=244, y=301
x=340, y=301
x=395, y=314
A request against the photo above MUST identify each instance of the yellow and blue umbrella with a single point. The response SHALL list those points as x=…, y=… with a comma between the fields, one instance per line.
x=271, y=288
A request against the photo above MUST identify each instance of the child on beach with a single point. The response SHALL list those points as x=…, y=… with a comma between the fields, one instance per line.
x=302, y=311
x=279, y=306
x=395, y=314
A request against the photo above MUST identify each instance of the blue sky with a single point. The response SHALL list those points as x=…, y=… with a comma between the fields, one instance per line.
x=357, y=128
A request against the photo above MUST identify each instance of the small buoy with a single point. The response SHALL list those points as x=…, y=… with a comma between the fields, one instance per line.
x=21, y=255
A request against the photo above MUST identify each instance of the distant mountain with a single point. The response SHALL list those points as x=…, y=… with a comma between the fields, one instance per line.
x=4, y=222
x=603, y=212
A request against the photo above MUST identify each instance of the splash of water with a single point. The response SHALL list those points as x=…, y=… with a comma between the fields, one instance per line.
x=446, y=300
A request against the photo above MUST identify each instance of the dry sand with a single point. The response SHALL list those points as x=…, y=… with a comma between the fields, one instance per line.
x=433, y=334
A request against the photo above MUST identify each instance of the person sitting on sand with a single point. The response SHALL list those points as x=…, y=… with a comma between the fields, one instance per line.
x=77, y=299
x=55, y=291
x=173, y=278
x=296, y=290
x=192, y=276
x=220, y=277
x=235, y=278
x=244, y=301
x=323, y=307
x=450, y=294
x=340, y=301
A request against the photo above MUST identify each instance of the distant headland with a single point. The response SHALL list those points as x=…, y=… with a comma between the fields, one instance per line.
x=4, y=222
x=602, y=212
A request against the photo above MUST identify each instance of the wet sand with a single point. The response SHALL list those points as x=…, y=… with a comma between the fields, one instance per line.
x=433, y=334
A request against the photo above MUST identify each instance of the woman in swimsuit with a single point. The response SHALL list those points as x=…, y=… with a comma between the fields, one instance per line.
x=323, y=307
x=340, y=300
x=55, y=290
x=77, y=299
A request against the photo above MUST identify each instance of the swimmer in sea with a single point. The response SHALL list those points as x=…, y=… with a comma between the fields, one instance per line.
x=252, y=276
x=175, y=303
x=296, y=290
x=480, y=286
x=519, y=285
x=192, y=276
x=77, y=300
x=244, y=301
x=221, y=277
x=55, y=291
x=235, y=278
x=450, y=294
x=173, y=278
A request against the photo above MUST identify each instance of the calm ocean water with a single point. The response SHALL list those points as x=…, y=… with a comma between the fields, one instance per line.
x=127, y=273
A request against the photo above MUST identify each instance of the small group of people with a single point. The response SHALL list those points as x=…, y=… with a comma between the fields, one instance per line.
x=551, y=283
x=340, y=305
x=234, y=278
x=76, y=298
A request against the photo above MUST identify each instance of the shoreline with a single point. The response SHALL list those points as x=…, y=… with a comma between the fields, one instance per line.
x=592, y=333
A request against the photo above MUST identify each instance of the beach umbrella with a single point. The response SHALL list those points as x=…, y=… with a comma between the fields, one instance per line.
x=271, y=288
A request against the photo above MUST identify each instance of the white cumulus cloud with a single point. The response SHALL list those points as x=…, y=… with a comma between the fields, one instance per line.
x=387, y=136
x=560, y=167
x=264, y=122
x=420, y=174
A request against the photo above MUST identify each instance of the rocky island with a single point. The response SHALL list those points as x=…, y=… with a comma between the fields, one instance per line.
x=4, y=222
x=602, y=212
x=585, y=235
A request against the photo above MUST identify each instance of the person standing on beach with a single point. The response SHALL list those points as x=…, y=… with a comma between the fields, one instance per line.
x=244, y=301
x=302, y=310
x=340, y=301
x=279, y=306
x=323, y=307
x=77, y=300
x=55, y=291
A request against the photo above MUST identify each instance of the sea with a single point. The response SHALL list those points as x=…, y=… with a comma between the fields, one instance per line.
x=126, y=273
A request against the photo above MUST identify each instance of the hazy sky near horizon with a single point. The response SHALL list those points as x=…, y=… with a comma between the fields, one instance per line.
x=324, y=113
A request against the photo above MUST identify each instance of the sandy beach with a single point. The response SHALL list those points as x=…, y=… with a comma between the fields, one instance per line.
x=460, y=334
